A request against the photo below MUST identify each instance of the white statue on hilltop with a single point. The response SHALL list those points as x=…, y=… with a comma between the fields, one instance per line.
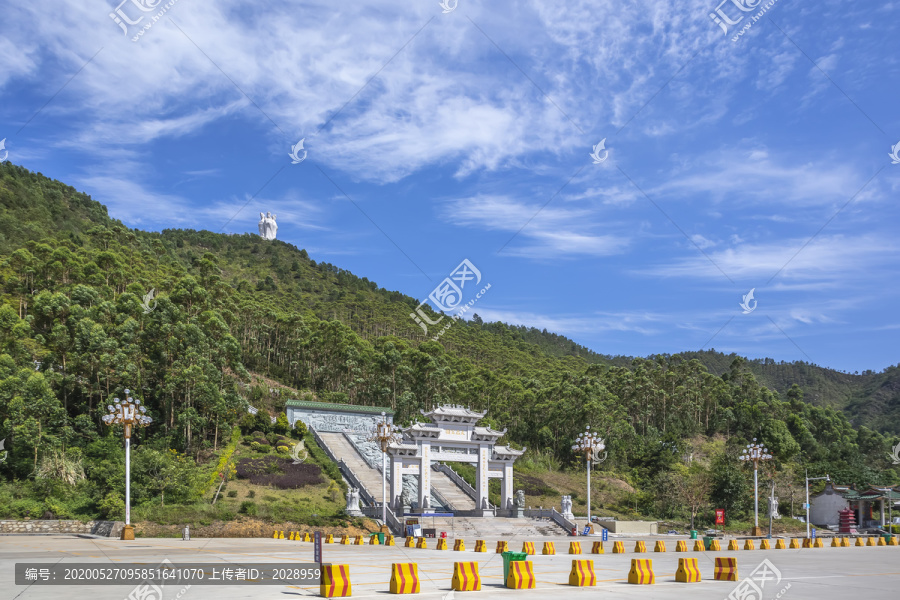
x=267, y=226
x=353, y=502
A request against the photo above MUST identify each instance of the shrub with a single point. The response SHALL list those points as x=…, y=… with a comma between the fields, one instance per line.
x=278, y=472
x=251, y=494
x=248, y=508
x=283, y=450
x=232, y=494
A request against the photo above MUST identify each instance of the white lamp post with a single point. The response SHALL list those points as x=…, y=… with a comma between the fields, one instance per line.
x=385, y=434
x=129, y=413
x=755, y=453
x=589, y=444
x=808, y=479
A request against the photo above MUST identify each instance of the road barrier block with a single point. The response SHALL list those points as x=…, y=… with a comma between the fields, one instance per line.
x=807, y=542
x=335, y=581
x=795, y=543
x=528, y=548
x=749, y=545
x=405, y=578
x=660, y=546
x=881, y=541
x=845, y=542
x=521, y=575
x=502, y=547
x=688, y=571
x=422, y=543
x=480, y=546
x=640, y=547
x=373, y=540
x=618, y=547
x=818, y=543
x=574, y=547
x=329, y=539
x=698, y=546
x=597, y=548
x=641, y=572
x=779, y=544
x=860, y=542
x=410, y=542
x=459, y=546
x=582, y=574
x=291, y=537
x=442, y=544
x=306, y=537
x=359, y=541
x=733, y=545
x=870, y=541
x=681, y=546
x=549, y=549
x=714, y=546
x=281, y=535
x=726, y=569
x=765, y=545
x=466, y=577
x=389, y=540
x=893, y=541
x=345, y=540
x=835, y=542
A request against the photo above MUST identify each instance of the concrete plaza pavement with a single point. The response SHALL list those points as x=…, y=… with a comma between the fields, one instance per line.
x=855, y=572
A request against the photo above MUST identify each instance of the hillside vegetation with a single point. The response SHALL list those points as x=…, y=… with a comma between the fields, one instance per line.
x=236, y=320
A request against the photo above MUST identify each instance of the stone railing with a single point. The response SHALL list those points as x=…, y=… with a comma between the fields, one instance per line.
x=374, y=463
x=553, y=515
x=458, y=480
x=394, y=524
x=39, y=526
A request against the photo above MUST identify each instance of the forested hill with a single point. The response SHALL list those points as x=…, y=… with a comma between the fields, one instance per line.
x=229, y=311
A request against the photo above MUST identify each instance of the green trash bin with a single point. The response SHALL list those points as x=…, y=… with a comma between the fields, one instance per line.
x=509, y=557
x=707, y=541
x=693, y=534
x=380, y=538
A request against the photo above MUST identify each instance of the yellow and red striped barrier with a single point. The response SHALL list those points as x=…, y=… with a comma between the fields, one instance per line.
x=640, y=547
x=549, y=549
x=733, y=545
x=582, y=574
x=410, y=542
x=765, y=545
x=480, y=546
x=389, y=540
x=871, y=542
x=422, y=543
x=881, y=541
x=281, y=535
x=502, y=547
x=597, y=548
x=306, y=537
x=442, y=544
x=335, y=581
x=359, y=541
x=795, y=543
x=405, y=578
x=618, y=547
x=845, y=542
x=681, y=546
x=660, y=546
x=345, y=540
x=373, y=540
x=291, y=537
x=860, y=542
x=726, y=569
x=528, y=548
x=574, y=547
x=688, y=571
x=698, y=546
x=459, y=545
x=714, y=546
x=641, y=572
x=893, y=541
x=749, y=545
x=329, y=539
x=835, y=542
x=466, y=577
x=779, y=544
x=275, y=535
x=521, y=575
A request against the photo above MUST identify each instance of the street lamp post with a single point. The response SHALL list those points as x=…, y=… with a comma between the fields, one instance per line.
x=385, y=434
x=589, y=444
x=755, y=453
x=808, y=479
x=129, y=413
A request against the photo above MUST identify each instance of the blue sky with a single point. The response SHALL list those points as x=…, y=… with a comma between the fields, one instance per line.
x=760, y=163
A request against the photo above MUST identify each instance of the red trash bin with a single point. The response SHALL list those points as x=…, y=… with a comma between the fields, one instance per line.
x=443, y=534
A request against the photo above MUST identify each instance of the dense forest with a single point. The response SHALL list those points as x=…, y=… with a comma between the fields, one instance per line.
x=233, y=319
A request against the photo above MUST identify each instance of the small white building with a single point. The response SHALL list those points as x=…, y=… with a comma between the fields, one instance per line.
x=872, y=506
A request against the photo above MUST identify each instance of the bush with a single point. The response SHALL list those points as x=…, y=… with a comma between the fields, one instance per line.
x=251, y=494
x=248, y=508
x=278, y=472
x=283, y=450
x=232, y=494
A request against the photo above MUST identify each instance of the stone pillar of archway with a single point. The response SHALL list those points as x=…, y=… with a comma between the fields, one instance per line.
x=424, y=475
x=395, y=489
x=506, y=486
x=481, y=477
